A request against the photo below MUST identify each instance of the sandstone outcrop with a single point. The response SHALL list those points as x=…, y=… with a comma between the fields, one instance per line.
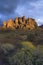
x=20, y=23
x=10, y=24
x=4, y=24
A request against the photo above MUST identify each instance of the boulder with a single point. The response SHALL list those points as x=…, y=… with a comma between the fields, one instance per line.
x=10, y=24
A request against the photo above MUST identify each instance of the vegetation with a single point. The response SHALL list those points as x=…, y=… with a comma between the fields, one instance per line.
x=21, y=47
x=24, y=56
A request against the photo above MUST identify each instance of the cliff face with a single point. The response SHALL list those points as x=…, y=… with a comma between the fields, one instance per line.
x=20, y=23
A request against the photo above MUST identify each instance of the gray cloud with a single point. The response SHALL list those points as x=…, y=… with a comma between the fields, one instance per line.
x=13, y=8
x=8, y=6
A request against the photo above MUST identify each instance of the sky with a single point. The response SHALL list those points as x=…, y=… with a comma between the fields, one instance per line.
x=15, y=8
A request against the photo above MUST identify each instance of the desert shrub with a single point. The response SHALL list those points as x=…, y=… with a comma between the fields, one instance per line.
x=7, y=48
x=27, y=55
x=40, y=50
x=23, y=57
x=24, y=37
x=28, y=45
x=31, y=37
x=35, y=36
x=38, y=56
x=5, y=31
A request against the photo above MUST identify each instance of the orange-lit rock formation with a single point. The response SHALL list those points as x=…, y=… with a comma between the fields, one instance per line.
x=20, y=23
x=4, y=24
x=10, y=24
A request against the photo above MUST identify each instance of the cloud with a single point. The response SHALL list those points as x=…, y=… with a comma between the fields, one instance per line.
x=39, y=21
x=32, y=9
x=7, y=9
x=8, y=6
x=29, y=8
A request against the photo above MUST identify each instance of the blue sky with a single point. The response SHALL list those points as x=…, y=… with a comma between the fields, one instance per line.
x=29, y=8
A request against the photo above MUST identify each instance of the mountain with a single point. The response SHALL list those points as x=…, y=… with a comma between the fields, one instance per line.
x=41, y=26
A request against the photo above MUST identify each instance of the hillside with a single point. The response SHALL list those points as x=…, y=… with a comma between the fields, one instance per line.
x=21, y=42
x=21, y=47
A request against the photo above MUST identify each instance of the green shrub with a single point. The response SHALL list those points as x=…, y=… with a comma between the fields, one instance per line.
x=7, y=48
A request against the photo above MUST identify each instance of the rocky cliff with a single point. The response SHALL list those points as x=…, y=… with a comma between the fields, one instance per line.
x=20, y=23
